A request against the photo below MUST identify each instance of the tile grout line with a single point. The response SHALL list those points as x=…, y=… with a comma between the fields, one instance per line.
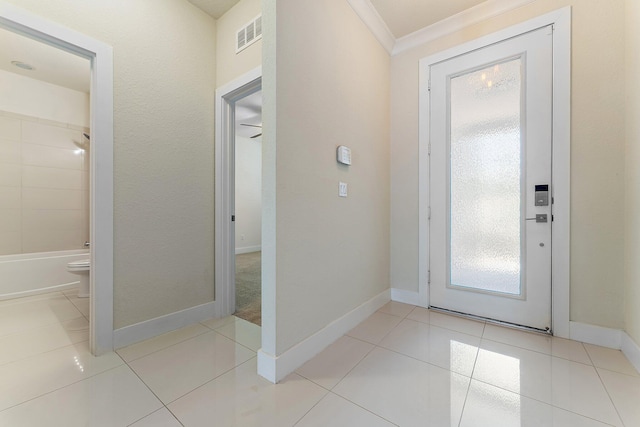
x=163, y=348
x=542, y=401
x=202, y=385
x=62, y=387
x=604, y=386
x=475, y=361
x=330, y=391
x=164, y=405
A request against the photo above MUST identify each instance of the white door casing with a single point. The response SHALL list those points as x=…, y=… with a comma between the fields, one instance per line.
x=490, y=140
x=226, y=97
x=101, y=159
x=561, y=135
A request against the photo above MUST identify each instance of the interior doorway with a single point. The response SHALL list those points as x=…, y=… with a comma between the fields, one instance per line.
x=100, y=56
x=248, y=207
x=239, y=98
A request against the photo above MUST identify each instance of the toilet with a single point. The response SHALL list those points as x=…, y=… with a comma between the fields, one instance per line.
x=81, y=268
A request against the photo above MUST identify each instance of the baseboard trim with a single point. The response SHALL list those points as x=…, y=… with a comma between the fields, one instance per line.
x=404, y=296
x=631, y=350
x=153, y=327
x=597, y=335
x=248, y=249
x=275, y=368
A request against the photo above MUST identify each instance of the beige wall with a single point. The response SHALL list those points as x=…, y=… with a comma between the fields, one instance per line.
x=229, y=64
x=597, y=154
x=331, y=88
x=632, y=182
x=164, y=81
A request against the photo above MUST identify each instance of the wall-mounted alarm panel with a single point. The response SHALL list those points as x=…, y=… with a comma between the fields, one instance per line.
x=344, y=155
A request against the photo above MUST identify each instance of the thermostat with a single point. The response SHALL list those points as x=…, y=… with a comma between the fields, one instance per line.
x=344, y=155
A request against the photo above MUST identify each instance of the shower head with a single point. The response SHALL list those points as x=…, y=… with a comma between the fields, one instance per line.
x=86, y=136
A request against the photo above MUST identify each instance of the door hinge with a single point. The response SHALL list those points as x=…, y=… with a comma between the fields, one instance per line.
x=429, y=212
x=233, y=217
x=428, y=277
x=429, y=149
x=429, y=86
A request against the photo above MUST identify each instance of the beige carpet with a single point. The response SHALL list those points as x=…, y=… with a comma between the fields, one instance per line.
x=248, y=287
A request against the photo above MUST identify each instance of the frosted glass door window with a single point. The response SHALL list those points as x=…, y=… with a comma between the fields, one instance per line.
x=485, y=178
x=489, y=146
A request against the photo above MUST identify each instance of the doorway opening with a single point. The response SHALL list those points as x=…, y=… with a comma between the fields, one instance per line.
x=238, y=211
x=248, y=207
x=100, y=180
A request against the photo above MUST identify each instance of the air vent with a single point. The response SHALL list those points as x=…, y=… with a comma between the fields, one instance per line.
x=249, y=34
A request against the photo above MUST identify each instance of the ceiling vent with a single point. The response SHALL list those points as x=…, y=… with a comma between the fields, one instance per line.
x=249, y=34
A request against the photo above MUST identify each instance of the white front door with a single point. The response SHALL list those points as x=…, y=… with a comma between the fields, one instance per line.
x=490, y=181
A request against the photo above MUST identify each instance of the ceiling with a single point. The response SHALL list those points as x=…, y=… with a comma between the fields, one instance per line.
x=50, y=64
x=215, y=8
x=407, y=16
x=402, y=17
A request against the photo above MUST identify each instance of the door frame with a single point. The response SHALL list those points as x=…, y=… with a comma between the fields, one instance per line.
x=101, y=159
x=226, y=96
x=561, y=161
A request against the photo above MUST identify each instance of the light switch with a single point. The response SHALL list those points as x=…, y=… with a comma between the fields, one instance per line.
x=342, y=189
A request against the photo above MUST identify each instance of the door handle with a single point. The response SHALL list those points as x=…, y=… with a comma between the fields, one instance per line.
x=538, y=218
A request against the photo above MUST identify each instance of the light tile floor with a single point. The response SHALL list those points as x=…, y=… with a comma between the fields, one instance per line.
x=403, y=366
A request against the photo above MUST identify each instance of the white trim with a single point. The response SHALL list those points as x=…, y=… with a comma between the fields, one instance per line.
x=275, y=368
x=101, y=181
x=631, y=350
x=378, y=27
x=597, y=335
x=226, y=96
x=372, y=19
x=607, y=337
x=248, y=249
x=561, y=20
x=406, y=297
x=561, y=170
x=153, y=327
x=457, y=22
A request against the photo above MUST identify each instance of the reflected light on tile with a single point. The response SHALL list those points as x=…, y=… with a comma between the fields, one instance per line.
x=506, y=367
x=458, y=355
x=78, y=151
x=78, y=364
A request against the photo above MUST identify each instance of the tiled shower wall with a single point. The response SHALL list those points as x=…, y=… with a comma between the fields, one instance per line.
x=44, y=185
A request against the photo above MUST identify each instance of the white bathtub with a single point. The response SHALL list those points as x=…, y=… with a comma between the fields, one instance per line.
x=30, y=274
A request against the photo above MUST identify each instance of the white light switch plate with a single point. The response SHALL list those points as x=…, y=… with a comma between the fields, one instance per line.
x=342, y=189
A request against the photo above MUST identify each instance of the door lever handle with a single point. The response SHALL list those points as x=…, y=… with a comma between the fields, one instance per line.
x=538, y=218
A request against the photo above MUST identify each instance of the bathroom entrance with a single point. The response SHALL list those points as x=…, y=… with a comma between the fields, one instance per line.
x=56, y=200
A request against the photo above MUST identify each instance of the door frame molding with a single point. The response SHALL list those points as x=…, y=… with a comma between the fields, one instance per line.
x=226, y=97
x=101, y=159
x=561, y=160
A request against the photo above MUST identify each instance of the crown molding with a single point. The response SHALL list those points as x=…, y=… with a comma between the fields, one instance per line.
x=372, y=19
x=457, y=22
